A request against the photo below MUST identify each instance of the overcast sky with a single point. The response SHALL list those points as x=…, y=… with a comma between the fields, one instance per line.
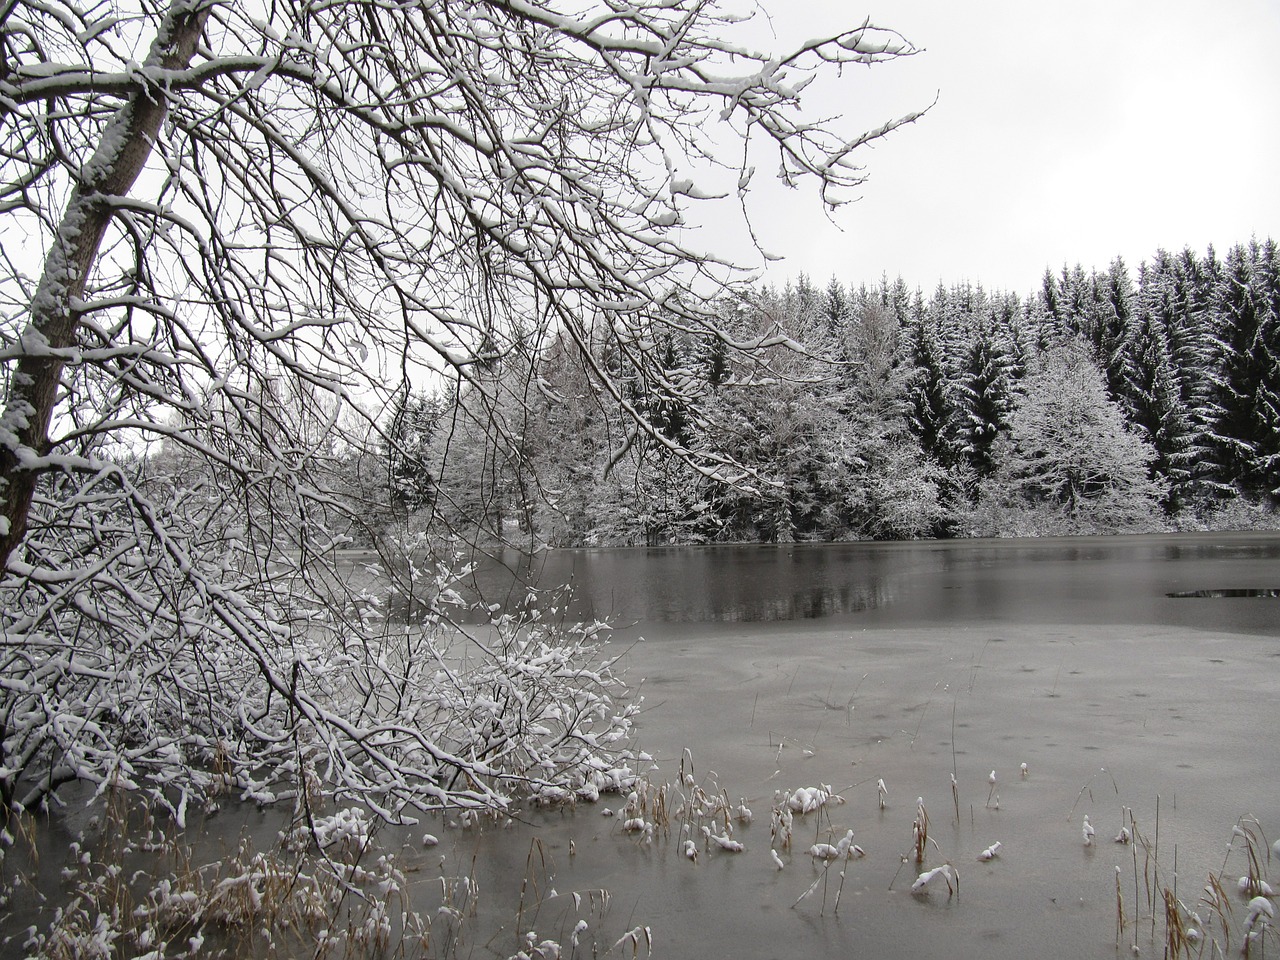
x=1063, y=132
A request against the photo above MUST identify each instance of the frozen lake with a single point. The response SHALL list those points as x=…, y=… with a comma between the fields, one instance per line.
x=774, y=668
x=792, y=666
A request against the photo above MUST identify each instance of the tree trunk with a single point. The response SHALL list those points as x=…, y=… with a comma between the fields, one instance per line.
x=121, y=153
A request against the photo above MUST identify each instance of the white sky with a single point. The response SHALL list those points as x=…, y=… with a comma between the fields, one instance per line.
x=1064, y=132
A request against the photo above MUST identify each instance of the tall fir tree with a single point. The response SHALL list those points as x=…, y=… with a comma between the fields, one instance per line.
x=985, y=396
x=1075, y=293
x=1266, y=350
x=409, y=436
x=1111, y=327
x=1050, y=298
x=1153, y=391
x=1189, y=314
x=930, y=409
x=1246, y=376
x=837, y=306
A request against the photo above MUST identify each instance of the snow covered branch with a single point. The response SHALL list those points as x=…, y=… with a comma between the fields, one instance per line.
x=244, y=238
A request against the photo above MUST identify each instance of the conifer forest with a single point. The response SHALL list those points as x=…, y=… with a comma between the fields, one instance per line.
x=1103, y=402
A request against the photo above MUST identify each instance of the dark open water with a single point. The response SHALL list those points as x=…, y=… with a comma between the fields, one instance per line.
x=1058, y=580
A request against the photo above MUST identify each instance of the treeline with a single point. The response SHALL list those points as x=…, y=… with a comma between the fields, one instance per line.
x=1102, y=402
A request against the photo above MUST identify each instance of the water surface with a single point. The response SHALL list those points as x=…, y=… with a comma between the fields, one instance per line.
x=1057, y=580
x=844, y=664
x=774, y=668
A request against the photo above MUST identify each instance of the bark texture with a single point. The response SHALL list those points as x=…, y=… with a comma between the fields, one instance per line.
x=119, y=158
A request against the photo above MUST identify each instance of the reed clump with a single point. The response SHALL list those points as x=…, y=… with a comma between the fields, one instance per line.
x=1212, y=926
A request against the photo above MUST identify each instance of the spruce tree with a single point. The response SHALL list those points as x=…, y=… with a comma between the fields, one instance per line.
x=836, y=306
x=1153, y=388
x=930, y=409
x=1049, y=297
x=1266, y=354
x=1189, y=305
x=1245, y=376
x=408, y=440
x=1112, y=326
x=1075, y=293
x=985, y=397
x=716, y=360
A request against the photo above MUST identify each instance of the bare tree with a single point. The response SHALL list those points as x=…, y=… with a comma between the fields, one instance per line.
x=1069, y=463
x=255, y=220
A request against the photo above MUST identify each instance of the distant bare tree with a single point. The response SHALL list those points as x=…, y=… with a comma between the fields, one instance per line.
x=1069, y=464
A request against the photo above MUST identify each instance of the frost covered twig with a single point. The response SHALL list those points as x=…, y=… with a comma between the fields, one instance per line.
x=252, y=241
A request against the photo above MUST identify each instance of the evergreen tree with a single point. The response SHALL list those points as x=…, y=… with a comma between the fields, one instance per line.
x=806, y=305
x=930, y=409
x=1075, y=293
x=407, y=445
x=1007, y=317
x=1153, y=390
x=885, y=485
x=1267, y=348
x=1040, y=330
x=669, y=399
x=1111, y=325
x=897, y=297
x=931, y=416
x=837, y=307
x=1050, y=299
x=1247, y=375
x=1185, y=298
x=715, y=360
x=985, y=396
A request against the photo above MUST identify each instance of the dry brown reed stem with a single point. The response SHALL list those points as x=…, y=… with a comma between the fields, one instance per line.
x=840, y=888
x=449, y=893
x=535, y=847
x=1216, y=899
x=902, y=862
x=1154, y=859
x=1246, y=828
x=661, y=812
x=1087, y=787
x=814, y=886
x=1134, y=847
x=633, y=938
x=1148, y=872
x=1119, y=910
x=955, y=772
x=826, y=874
x=920, y=831
x=824, y=812
x=923, y=711
x=1149, y=865
x=1176, y=941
